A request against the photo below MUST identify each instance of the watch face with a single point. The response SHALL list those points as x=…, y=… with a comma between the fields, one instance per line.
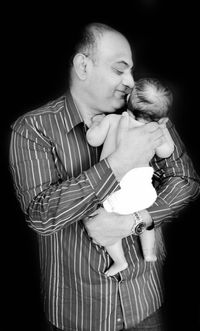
x=140, y=227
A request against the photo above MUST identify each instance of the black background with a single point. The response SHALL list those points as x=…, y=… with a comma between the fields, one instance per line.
x=37, y=42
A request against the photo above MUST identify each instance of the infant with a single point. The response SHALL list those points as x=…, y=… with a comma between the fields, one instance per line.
x=149, y=101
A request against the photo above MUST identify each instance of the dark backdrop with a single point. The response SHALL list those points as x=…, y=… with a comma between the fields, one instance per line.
x=37, y=42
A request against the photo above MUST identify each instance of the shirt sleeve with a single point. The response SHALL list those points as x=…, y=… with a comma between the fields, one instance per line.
x=176, y=182
x=48, y=201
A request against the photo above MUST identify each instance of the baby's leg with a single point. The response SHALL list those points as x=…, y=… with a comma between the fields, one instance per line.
x=148, y=243
x=98, y=131
x=103, y=131
x=109, y=145
x=119, y=261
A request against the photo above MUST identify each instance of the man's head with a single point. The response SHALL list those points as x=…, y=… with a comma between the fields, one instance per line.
x=101, y=74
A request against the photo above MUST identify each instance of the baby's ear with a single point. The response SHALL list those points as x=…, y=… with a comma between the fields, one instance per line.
x=127, y=97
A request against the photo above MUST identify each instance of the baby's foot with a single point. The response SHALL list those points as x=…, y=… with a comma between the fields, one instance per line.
x=115, y=268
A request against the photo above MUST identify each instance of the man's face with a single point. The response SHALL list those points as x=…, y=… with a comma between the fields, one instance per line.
x=110, y=77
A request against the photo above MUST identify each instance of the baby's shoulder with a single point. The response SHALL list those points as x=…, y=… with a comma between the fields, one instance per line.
x=113, y=117
x=113, y=120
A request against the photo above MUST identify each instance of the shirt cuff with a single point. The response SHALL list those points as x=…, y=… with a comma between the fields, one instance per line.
x=102, y=179
x=160, y=211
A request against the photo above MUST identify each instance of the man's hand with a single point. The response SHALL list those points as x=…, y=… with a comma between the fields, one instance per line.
x=135, y=146
x=108, y=228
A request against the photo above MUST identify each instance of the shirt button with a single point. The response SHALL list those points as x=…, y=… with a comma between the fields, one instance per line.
x=119, y=320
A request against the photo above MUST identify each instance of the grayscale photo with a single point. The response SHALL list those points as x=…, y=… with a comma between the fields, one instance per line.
x=101, y=167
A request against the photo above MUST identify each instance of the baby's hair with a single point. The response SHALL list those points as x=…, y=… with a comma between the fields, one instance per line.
x=150, y=99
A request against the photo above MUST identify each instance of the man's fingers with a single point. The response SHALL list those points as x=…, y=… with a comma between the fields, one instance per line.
x=151, y=127
x=163, y=120
x=155, y=130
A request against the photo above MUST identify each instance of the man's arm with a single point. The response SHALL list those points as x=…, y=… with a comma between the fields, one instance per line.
x=178, y=185
x=177, y=182
x=48, y=197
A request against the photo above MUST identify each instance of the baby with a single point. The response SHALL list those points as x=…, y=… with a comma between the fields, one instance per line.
x=149, y=101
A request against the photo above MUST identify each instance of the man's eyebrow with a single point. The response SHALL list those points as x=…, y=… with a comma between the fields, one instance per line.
x=124, y=63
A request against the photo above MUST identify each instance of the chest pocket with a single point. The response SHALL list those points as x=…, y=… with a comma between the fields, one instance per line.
x=75, y=155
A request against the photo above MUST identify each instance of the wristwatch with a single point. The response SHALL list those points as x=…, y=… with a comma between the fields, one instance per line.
x=139, y=225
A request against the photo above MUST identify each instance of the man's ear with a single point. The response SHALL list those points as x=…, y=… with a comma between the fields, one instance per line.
x=80, y=62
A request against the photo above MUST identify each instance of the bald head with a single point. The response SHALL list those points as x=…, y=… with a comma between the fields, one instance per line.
x=101, y=71
x=112, y=44
x=90, y=40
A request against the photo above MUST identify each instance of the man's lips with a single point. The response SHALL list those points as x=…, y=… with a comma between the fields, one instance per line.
x=121, y=92
x=125, y=91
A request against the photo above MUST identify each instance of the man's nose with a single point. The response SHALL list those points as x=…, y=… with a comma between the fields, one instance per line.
x=128, y=80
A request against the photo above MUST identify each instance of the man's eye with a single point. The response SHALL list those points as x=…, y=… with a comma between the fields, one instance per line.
x=119, y=72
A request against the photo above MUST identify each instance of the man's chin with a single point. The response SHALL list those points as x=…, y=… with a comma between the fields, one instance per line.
x=116, y=105
x=119, y=103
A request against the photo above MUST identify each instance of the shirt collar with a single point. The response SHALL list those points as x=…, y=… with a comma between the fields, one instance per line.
x=73, y=115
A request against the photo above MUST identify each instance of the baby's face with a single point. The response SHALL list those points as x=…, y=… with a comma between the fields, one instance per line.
x=138, y=120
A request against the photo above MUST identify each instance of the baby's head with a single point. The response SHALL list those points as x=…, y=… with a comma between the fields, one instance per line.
x=150, y=99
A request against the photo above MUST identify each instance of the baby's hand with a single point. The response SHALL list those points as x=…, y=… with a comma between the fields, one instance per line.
x=163, y=121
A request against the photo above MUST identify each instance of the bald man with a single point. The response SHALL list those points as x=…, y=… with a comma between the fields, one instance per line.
x=60, y=180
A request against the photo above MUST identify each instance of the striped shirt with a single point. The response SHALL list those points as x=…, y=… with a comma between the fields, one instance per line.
x=59, y=180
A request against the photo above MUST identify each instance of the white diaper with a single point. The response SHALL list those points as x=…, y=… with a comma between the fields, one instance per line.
x=136, y=193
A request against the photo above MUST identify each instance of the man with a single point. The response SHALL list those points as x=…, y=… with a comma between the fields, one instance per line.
x=59, y=181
